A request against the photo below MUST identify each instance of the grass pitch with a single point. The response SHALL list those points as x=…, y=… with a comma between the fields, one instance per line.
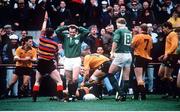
x=153, y=103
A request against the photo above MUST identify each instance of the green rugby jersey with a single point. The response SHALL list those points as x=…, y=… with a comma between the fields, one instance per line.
x=123, y=38
x=72, y=45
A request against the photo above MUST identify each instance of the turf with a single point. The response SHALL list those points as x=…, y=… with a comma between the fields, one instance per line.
x=153, y=103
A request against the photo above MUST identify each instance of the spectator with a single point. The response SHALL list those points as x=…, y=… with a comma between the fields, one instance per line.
x=163, y=10
x=124, y=13
x=134, y=4
x=121, y=2
x=175, y=19
x=107, y=39
x=24, y=33
x=20, y=16
x=147, y=15
x=134, y=8
x=9, y=50
x=91, y=13
x=36, y=10
x=62, y=15
x=93, y=39
x=105, y=14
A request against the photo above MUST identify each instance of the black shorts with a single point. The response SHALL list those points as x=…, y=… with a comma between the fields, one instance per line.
x=171, y=61
x=45, y=66
x=20, y=71
x=140, y=62
x=105, y=66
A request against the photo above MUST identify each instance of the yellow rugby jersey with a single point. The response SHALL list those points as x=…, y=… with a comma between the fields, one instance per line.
x=20, y=52
x=171, y=43
x=93, y=61
x=142, y=45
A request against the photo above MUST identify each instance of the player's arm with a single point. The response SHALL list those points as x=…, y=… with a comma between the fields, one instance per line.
x=116, y=38
x=60, y=29
x=134, y=42
x=34, y=57
x=86, y=61
x=174, y=43
x=85, y=76
x=114, y=46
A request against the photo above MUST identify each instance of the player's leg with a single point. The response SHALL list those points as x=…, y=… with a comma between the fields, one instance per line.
x=36, y=86
x=55, y=75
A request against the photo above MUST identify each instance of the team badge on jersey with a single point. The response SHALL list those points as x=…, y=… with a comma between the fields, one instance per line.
x=76, y=41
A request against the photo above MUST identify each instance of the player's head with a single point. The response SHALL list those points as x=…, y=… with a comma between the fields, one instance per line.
x=120, y=22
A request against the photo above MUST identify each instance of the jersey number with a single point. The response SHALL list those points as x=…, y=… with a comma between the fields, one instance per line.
x=146, y=42
x=127, y=39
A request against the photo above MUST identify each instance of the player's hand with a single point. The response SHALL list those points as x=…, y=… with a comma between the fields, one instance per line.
x=82, y=84
x=161, y=58
x=112, y=56
x=2, y=32
x=178, y=62
x=165, y=57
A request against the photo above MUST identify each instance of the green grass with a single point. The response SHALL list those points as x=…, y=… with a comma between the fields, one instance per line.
x=153, y=103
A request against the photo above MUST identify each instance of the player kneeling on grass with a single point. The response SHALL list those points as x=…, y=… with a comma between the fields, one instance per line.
x=100, y=64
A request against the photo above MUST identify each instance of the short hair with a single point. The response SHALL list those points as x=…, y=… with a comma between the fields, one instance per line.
x=167, y=25
x=144, y=27
x=27, y=38
x=121, y=21
x=25, y=31
x=49, y=32
x=73, y=27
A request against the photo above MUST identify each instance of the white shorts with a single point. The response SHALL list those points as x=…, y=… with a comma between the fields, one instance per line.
x=70, y=63
x=122, y=59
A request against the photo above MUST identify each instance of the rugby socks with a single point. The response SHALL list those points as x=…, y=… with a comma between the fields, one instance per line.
x=114, y=83
x=142, y=91
x=35, y=92
x=125, y=86
x=169, y=85
x=97, y=90
x=178, y=92
x=23, y=91
x=36, y=88
x=72, y=87
x=59, y=91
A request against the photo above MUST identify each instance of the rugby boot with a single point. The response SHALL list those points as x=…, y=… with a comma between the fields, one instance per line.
x=142, y=90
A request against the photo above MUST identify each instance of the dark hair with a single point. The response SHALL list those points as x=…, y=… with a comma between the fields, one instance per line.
x=73, y=27
x=25, y=31
x=49, y=32
x=27, y=38
x=167, y=25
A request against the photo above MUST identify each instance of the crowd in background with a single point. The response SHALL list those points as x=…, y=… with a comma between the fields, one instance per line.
x=97, y=15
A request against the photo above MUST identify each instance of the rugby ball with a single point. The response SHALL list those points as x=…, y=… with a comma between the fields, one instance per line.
x=88, y=97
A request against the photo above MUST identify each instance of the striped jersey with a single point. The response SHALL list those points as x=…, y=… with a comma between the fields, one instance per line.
x=47, y=48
